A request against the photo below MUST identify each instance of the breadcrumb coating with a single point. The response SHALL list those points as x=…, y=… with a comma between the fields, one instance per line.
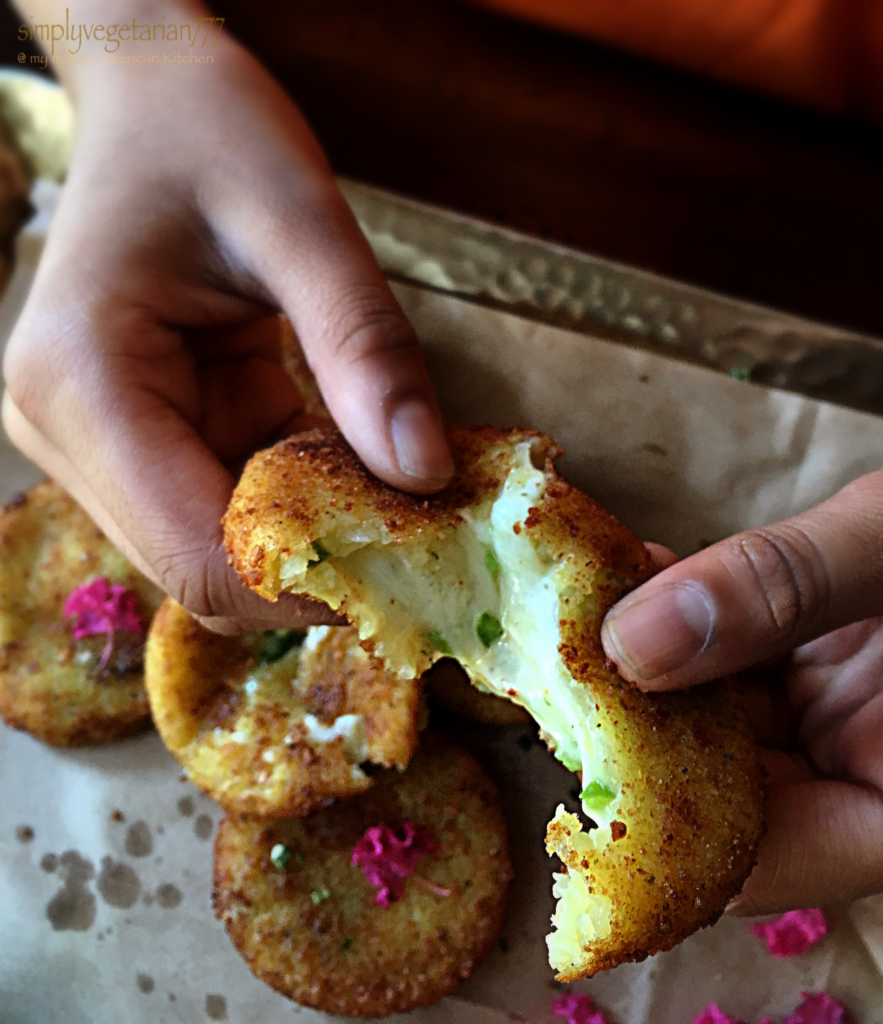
x=52, y=685
x=511, y=570
x=307, y=921
x=276, y=724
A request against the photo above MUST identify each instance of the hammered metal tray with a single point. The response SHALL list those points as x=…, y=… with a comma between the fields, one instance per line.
x=492, y=266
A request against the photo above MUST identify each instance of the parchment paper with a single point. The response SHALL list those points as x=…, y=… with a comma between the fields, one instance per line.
x=105, y=854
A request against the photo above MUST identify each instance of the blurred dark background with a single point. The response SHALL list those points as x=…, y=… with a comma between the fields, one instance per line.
x=582, y=145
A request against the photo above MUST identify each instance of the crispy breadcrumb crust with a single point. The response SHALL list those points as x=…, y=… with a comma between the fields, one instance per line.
x=48, y=547
x=687, y=825
x=249, y=752
x=691, y=813
x=313, y=931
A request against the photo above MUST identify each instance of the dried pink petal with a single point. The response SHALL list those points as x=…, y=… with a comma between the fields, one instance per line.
x=387, y=860
x=819, y=1009
x=793, y=933
x=577, y=1008
x=102, y=607
x=714, y=1015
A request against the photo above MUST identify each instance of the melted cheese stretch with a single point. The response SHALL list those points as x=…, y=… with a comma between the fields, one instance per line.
x=406, y=596
x=409, y=596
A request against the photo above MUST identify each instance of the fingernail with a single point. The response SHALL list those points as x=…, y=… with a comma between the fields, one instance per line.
x=656, y=635
x=419, y=441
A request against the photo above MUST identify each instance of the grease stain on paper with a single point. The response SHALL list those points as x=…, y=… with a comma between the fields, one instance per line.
x=49, y=863
x=139, y=841
x=118, y=884
x=168, y=896
x=145, y=983
x=216, y=1007
x=203, y=828
x=72, y=908
x=186, y=806
x=24, y=833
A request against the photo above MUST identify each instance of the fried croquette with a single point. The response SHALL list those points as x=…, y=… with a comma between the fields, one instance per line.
x=62, y=690
x=510, y=570
x=309, y=924
x=277, y=723
x=448, y=687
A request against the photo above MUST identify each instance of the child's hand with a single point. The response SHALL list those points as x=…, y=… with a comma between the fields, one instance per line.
x=197, y=202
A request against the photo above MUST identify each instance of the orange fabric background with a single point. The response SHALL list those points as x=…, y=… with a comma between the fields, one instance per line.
x=824, y=53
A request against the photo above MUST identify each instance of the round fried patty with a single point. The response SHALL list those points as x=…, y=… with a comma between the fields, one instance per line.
x=312, y=929
x=276, y=724
x=51, y=685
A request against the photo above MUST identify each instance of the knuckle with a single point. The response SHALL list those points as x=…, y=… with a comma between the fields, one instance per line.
x=37, y=360
x=789, y=574
x=24, y=377
x=187, y=582
x=366, y=323
x=190, y=594
x=199, y=581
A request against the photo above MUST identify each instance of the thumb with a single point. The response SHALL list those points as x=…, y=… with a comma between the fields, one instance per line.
x=756, y=595
x=363, y=352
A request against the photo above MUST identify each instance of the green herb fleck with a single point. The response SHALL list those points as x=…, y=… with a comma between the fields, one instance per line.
x=489, y=628
x=299, y=857
x=492, y=564
x=347, y=942
x=596, y=796
x=439, y=642
x=280, y=855
x=740, y=373
x=319, y=896
x=321, y=553
x=276, y=643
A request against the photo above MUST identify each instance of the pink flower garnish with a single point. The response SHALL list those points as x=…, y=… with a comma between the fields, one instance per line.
x=793, y=933
x=577, y=1008
x=819, y=1009
x=714, y=1015
x=387, y=860
x=102, y=607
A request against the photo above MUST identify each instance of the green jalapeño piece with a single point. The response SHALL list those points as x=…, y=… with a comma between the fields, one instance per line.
x=489, y=628
x=439, y=642
x=596, y=796
x=321, y=553
x=492, y=564
x=276, y=643
x=319, y=896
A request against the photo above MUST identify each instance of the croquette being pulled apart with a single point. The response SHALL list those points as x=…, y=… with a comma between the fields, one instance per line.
x=73, y=615
x=510, y=570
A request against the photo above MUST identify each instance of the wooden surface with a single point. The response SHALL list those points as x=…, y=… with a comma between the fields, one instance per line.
x=572, y=142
